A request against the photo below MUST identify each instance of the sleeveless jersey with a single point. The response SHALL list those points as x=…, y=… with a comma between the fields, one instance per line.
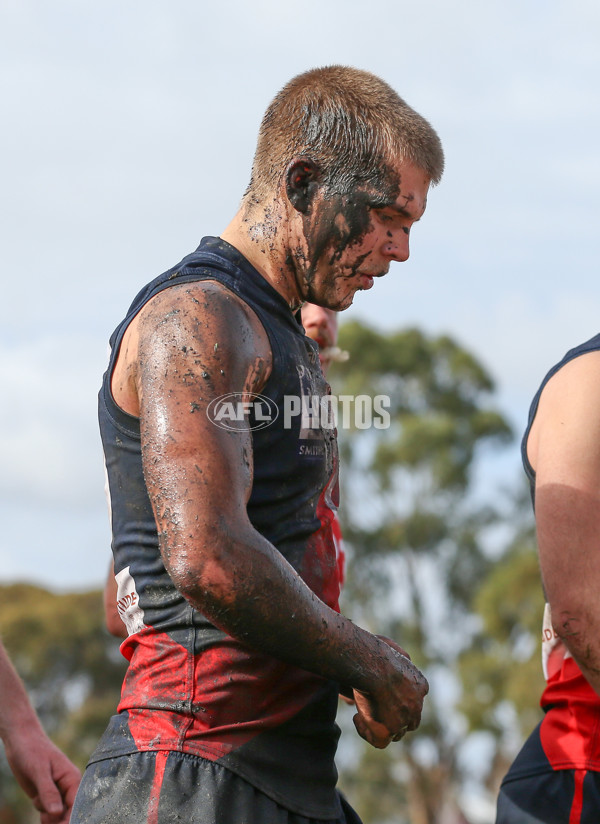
x=570, y=730
x=190, y=687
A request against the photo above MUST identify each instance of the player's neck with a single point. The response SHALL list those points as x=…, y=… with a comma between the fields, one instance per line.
x=262, y=238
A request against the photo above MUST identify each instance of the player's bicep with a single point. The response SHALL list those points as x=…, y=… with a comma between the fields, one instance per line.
x=198, y=475
x=195, y=472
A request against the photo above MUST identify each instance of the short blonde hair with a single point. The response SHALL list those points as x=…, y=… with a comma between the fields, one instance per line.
x=350, y=123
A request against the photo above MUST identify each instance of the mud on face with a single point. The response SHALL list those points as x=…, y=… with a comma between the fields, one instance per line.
x=340, y=218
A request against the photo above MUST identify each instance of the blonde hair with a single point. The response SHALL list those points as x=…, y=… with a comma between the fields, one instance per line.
x=350, y=123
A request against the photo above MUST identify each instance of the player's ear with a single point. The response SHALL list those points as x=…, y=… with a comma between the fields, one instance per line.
x=302, y=180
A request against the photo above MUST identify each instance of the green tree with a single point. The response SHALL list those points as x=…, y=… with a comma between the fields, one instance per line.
x=71, y=667
x=415, y=528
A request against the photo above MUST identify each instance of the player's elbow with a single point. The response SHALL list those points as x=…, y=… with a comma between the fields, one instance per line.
x=576, y=624
x=206, y=584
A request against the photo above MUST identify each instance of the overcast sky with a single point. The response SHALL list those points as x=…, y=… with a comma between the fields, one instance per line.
x=127, y=134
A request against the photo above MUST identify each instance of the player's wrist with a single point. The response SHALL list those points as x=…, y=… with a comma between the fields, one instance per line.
x=376, y=670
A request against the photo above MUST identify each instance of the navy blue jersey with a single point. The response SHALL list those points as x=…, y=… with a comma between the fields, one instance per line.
x=190, y=687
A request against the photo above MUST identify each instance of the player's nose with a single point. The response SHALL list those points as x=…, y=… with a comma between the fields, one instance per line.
x=397, y=246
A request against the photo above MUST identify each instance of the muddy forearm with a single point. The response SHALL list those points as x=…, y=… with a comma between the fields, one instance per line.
x=253, y=594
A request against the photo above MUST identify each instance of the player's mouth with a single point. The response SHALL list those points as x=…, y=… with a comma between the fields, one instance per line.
x=366, y=279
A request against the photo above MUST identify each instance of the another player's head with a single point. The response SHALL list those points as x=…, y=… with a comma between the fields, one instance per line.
x=321, y=324
x=348, y=165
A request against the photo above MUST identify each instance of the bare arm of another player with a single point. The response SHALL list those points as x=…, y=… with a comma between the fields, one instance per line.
x=197, y=343
x=46, y=775
x=564, y=450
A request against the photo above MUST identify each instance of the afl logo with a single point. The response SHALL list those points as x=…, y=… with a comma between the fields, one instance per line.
x=239, y=411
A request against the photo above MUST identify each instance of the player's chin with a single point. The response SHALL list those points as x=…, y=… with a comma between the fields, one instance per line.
x=345, y=302
x=347, y=298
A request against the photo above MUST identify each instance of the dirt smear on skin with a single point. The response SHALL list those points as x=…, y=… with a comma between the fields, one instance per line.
x=340, y=220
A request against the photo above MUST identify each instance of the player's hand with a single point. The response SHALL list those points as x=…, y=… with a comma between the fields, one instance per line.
x=46, y=775
x=394, y=706
x=347, y=695
x=394, y=645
